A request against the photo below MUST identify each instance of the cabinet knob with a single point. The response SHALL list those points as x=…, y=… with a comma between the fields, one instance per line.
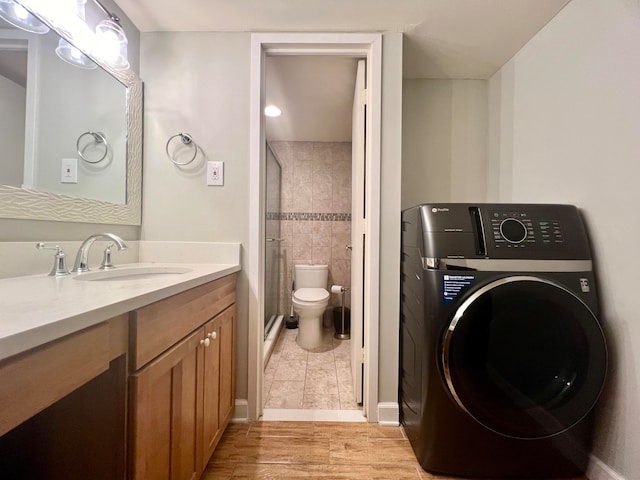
x=205, y=341
x=212, y=335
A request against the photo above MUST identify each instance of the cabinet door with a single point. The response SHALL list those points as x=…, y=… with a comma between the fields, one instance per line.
x=219, y=380
x=163, y=403
x=211, y=392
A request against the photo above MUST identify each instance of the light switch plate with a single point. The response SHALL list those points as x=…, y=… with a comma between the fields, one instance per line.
x=215, y=173
x=69, y=170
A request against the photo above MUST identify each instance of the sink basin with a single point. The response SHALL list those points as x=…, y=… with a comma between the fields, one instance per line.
x=131, y=273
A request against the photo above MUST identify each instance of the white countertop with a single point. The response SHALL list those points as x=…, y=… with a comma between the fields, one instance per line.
x=37, y=309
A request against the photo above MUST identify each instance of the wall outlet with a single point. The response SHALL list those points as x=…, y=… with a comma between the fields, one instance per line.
x=69, y=170
x=215, y=173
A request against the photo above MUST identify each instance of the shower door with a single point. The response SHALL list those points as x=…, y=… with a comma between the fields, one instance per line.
x=273, y=241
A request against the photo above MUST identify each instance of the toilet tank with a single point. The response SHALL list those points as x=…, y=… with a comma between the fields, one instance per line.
x=311, y=276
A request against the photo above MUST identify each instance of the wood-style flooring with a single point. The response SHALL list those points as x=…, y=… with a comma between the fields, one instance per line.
x=315, y=450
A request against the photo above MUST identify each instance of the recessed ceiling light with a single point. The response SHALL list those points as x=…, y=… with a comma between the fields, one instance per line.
x=272, y=111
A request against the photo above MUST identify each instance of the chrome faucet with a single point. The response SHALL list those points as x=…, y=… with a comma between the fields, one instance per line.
x=82, y=258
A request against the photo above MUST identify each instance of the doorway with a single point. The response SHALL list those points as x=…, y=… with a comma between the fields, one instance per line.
x=366, y=46
x=308, y=222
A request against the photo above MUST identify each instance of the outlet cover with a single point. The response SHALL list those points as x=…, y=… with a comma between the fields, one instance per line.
x=69, y=170
x=215, y=173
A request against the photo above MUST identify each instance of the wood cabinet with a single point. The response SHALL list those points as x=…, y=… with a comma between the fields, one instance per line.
x=145, y=395
x=34, y=380
x=63, y=407
x=219, y=381
x=182, y=399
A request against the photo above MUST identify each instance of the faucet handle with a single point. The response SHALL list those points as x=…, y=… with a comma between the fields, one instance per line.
x=59, y=268
x=106, y=259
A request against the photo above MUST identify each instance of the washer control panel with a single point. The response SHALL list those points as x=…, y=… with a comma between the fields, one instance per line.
x=518, y=229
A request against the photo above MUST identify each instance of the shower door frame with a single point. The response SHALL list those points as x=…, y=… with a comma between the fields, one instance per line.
x=360, y=45
x=275, y=240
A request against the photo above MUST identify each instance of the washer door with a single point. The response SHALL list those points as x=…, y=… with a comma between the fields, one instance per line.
x=524, y=357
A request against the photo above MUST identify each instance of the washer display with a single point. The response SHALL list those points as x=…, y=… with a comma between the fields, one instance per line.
x=502, y=354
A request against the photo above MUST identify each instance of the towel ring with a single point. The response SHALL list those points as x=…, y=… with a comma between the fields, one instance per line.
x=186, y=139
x=98, y=138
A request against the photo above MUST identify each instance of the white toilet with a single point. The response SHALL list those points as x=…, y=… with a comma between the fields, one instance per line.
x=310, y=300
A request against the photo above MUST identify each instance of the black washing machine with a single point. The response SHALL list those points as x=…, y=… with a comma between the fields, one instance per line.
x=502, y=356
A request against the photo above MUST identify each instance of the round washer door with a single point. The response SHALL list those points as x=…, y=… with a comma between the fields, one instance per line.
x=524, y=357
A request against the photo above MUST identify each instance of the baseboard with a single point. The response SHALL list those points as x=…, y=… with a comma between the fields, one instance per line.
x=241, y=412
x=598, y=470
x=388, y=414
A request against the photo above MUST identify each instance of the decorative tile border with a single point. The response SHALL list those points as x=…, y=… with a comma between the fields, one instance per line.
x=307, y=216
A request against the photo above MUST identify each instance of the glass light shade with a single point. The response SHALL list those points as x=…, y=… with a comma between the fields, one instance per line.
x=20, y=17
x=72, y=55
x=70, y=8
x=111, y=44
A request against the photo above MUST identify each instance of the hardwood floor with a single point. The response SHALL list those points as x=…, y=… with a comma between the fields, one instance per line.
x=315, y=450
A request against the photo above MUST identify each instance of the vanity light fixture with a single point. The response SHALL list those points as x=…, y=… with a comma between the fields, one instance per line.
x=111, y=41
x=272, y=111
x=72, y=55
x=20, y=17
x=75, y=11
x=107, y=43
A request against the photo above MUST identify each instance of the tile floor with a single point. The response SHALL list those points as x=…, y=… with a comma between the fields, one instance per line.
x=320, y=379
x=315, y=450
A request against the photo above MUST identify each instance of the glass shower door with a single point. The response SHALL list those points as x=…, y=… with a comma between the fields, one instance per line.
x=273, y=241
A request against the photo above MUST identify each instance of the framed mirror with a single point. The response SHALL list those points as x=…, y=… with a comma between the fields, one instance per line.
x=64, y=120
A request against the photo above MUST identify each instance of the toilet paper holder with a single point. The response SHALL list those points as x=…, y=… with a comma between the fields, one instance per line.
x=342, y=334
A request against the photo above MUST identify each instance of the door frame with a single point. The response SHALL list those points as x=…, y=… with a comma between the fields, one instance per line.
x=366, y=45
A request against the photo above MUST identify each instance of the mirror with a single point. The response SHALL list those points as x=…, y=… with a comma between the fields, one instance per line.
x=68, y=111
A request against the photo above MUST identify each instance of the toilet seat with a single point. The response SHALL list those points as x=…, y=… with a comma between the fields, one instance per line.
x=311, y=296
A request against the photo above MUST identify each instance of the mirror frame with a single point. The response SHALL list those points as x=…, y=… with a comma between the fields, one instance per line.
x=26, y=204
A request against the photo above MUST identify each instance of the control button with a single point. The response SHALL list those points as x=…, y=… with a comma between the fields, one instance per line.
x=513, y=230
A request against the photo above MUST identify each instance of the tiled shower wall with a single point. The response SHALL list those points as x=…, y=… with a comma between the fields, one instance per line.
x=315, y=212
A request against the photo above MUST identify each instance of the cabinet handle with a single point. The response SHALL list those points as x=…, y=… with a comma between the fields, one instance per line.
x=205, y=341
x=212, y=335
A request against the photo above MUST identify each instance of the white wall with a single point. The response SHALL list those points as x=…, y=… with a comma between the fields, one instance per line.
x=12, y=99
x=444, y=141
x=565, y=117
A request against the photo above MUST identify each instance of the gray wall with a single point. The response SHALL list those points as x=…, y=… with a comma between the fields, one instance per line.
x=12, y=99
x=565, y=113
x=64, y=92
x=444, y=141
x=199, y=83
x=390, y=177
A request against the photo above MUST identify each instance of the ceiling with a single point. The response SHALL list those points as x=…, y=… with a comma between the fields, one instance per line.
x=443, y=39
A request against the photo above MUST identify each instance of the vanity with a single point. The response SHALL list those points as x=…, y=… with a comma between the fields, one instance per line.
x=127, y=374
x=130, y=377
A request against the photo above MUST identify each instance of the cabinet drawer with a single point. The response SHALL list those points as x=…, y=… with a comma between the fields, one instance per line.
x=32, y=381
x=157, y=327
